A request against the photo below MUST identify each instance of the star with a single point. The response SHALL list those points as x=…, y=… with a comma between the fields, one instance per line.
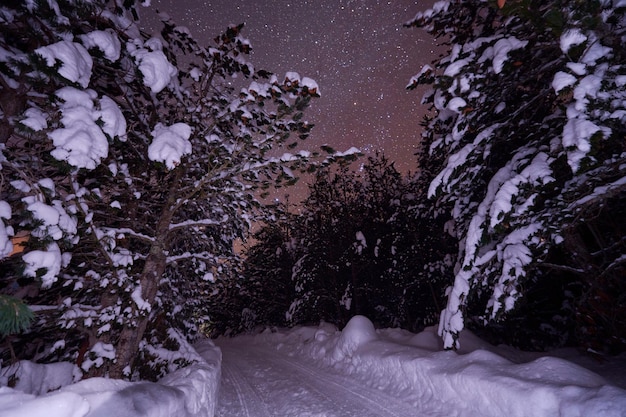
x=358, y=52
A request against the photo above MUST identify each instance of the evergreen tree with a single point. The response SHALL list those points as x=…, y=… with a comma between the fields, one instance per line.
x=131, y=165
x=528, y=144
x=320, y=274
x=267, y=290
x=366, y=247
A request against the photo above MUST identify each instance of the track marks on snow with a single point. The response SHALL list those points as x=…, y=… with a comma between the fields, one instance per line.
x=260, y=382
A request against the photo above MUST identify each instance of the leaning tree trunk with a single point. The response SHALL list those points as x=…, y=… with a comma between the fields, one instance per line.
x=132, y=333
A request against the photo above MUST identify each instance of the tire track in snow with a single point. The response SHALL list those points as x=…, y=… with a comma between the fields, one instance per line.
x=267, y=383
x=246, y=396
x=393, y=407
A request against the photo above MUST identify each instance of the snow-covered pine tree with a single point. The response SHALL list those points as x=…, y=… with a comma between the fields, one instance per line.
x=131, y=166
x=357, y=238
x=530, y=126
x=266, y=273
x=324, y=235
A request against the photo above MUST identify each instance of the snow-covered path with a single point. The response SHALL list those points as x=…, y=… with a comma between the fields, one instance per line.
x=260, y=382
x=319, y=371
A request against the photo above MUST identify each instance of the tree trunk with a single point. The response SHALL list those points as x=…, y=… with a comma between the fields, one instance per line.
x=133, y=331
x=130, y=336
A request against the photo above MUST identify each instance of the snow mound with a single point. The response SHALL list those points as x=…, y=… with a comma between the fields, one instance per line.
x=324, y=331
x=14, y=403
x=35, y=378
x=188, y=392
x=357, y=332
x=428, y=339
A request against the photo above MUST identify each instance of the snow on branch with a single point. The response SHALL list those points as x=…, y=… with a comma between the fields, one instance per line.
x=156, y=69
x=170, y=144
x=600, y=193
x=198, y=223
x=124, y=232
x=76, y=63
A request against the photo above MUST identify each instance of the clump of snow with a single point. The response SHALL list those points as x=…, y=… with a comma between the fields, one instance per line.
x=594, y=52
x=157, y=71
x=6, y=246
x=360, y=243
x=351, y=151
x=195, y=74
x=455, y=68
x=456, y=104
x=571, y=37
x=501, y=51
x=562, y=80
x=311, y=86
x=54, y=219
x=49, y=260
x=35, y=119
x=138, y=299
x=357, y=332
x=114, y=123
x=81, y=142
x=76, y=63
x=170, y=144
x=105, y=40
x=97, y=353
x=292, y=77
x=577, y=134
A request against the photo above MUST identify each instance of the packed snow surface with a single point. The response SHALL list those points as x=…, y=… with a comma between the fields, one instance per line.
x=391, y=372
x=320, y=371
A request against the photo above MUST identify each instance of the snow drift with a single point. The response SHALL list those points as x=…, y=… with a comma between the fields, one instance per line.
x=187, y=392
x=478, y=380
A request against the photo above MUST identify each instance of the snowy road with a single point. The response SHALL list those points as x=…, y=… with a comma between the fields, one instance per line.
x=260, y=382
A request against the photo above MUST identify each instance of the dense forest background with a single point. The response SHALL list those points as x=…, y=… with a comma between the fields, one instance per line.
x=514, y=217
x=131, y=166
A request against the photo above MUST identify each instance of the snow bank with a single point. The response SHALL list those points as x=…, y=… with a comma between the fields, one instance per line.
x=188, y=392
x=479, y=380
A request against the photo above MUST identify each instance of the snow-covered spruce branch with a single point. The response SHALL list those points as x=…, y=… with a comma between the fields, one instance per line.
x=565, y=268
x=197, y=223
x=600, y=194
x=127, y=232
x=100, y=243
x=610, y=248
x=237, y=171
x=620, y=260
x=203, y=256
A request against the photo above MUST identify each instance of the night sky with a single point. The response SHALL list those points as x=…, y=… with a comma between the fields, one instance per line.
x=358, y=52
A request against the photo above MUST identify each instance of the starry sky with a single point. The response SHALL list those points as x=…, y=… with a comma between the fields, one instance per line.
x=357, y=50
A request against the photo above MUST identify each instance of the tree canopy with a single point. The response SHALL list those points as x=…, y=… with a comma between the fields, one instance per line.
x=130, y=164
